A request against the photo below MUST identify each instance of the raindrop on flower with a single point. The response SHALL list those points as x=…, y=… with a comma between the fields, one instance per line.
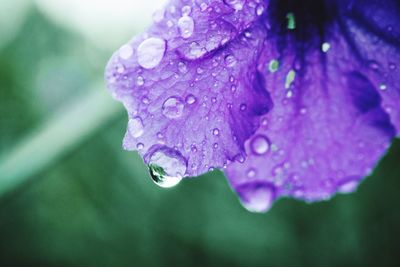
x=256, y=196
x=125, y=52
x=150, y=52
x=260, y=144
x=173, y=108
x=190, y=99
x=216, y=132
x=167, y=167
x=186, y=26
x=235, y=4
x=140, y=81
x=230, y=61
x=135, y=127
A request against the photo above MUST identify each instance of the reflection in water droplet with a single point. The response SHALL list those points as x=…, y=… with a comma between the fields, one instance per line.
x=173, y=108
x=230, y=61
x=256, y=196
x=260, y=144
x=235, y=4
x=167, y=166
x=349, y=185
x=135, y=127
x=186, y=26
x=150, y=52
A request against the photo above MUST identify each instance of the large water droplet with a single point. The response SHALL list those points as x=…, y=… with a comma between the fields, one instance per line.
x=150, y=52
x=256, y=196
x=135, y=127
x=260, y=144
x=235, y=4
x=186, y=26
x=167, y=167
x=173, y=108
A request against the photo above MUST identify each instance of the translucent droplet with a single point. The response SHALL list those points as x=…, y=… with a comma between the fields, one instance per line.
x=273, y=65
x=186, y=10
x=235, y=4
x=140, y=81
x=216, y=132
x=256, y=196
x=251, y=173
x=150, y=52
x=135, y=127
x=190, y=99
x=260, y=144
x=259, y=10
x=167, y=167
x=349, y=185
x=125, y=52
x=325, y=47
x=230, y=61
x=186, y=26
x=173, y=108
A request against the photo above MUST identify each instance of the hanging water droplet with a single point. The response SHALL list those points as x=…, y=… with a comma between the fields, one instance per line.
x=349, y=185
x=230, y=61
x=173, y=108
x=260, y=144
x=135, y=127
x=167, y=167
x=186, y=26
x=125, y=52
x=190, y=99
x=150, y=52
x=256, y=196
x=235, y=4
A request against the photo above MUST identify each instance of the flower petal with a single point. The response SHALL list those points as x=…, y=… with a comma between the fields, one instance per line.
x=190, y=85
x=331, y=122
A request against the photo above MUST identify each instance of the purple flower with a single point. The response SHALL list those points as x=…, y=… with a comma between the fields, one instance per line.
x=291, y=98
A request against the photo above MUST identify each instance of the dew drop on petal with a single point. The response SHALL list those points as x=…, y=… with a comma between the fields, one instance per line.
x=186, y=26
x=167, y=167
x=349, y=185
x=230, y=61
x=125, y=52
x=216, y=132
x=173, y=108
x=150, y=52
x=190, y=99
x=260, y=144
x=135, y=127
x=140, y=81
x=235, y=4
x=186, y=10
x=256, y=196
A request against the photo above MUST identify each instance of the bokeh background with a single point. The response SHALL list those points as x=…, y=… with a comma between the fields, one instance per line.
x=70, y=196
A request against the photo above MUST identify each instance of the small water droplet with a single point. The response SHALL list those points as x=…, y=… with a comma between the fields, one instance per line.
x=259, y=10
x=203, y=6
x=230, y=61
x=383, y=87
x=182, y=67
x=190, y=99
x=150, y=52
x=235, y=4
x=273, y=65
x=260, y=144
x=186, y=10
x=140, y=146
x=186, y=26
x=256, y=196
x=167, y=166
x=140, y=81
x=125, y=52
x=290, y=78
x=135, y=127
x=243, y=107
x=158, y=16
x=173, y=108
x=215, y=145
x=196, y=50
x=325, y=47
x=216, y=132
x=251, y=173
x=392, y=66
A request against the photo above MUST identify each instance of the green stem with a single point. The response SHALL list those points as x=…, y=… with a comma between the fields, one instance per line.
x=64, y=131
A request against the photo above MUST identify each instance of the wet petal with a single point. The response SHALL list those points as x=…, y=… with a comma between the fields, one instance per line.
x=190, y=85
x=332, y=118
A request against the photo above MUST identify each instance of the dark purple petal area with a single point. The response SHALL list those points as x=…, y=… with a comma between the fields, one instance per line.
x=336, y=110
x=190, y=85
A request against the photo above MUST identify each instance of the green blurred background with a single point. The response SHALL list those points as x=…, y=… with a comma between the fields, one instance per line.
x=72, y=197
